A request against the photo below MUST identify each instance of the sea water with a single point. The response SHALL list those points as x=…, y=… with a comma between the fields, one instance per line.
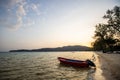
x=42, y=66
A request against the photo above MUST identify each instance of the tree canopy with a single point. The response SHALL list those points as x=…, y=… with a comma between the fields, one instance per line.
x=107, y=36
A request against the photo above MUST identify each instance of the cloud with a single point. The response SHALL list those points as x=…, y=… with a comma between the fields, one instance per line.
x=21, y=11
x=18, y=23
x=35, y=8
x=14, y=13
x=28, y=22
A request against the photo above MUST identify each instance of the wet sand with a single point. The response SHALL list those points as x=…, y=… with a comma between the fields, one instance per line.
x=108, y=67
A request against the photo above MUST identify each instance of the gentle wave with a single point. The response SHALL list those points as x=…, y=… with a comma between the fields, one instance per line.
x=42, y=66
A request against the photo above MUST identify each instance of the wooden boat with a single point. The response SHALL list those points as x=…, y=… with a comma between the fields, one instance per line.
x=76, y=63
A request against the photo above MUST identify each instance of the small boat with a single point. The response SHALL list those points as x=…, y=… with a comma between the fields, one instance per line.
x=76, y=63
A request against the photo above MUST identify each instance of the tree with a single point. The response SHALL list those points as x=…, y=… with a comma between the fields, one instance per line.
x=113, y=17
x=108, y=35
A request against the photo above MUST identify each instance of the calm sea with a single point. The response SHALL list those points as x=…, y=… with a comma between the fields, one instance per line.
x=42, y=66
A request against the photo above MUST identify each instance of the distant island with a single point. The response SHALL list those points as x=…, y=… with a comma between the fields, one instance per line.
x=64, y=48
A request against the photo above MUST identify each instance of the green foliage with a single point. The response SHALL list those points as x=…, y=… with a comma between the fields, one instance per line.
x=108, y=35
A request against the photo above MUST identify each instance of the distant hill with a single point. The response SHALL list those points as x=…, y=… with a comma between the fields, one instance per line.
x=64, y=48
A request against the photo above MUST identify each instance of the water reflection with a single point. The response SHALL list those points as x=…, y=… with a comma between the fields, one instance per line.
x=80, y=70
x=43, y=66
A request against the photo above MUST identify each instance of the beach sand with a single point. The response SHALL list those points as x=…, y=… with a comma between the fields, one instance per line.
x=107, y=66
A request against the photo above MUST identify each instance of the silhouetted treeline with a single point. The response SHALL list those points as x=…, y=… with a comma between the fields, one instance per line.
x=107, y=36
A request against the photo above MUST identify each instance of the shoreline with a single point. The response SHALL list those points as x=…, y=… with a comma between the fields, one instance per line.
x=107, y=66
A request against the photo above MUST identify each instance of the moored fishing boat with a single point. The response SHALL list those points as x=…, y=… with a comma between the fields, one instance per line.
x=76, y=63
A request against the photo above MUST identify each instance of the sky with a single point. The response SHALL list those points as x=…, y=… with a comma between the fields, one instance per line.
x=33, y=24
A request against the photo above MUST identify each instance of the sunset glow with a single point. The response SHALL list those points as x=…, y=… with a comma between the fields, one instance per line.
x=32, y=24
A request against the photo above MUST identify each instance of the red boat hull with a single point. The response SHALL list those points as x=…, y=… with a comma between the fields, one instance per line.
x=75, y=63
